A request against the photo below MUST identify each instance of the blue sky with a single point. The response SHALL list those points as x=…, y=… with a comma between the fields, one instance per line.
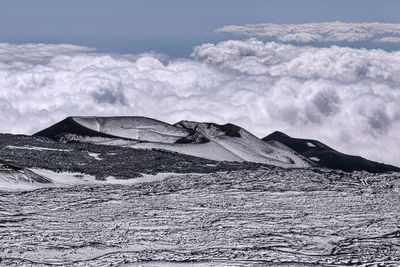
x=172, y=26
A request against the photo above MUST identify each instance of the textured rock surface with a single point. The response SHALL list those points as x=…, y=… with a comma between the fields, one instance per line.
x=239, y=218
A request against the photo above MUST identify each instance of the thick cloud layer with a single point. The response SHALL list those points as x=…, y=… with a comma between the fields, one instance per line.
x=320, y=32
x=348, y=98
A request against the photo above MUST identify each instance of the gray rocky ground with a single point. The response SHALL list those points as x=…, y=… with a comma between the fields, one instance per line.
x=229, y=218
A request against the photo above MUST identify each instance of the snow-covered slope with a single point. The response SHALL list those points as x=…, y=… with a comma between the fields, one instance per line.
x=209, y=150
x=206, y=140
x=138, y=128
x=246, y=146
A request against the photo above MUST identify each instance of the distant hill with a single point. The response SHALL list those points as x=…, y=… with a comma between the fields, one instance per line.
x=324, y=156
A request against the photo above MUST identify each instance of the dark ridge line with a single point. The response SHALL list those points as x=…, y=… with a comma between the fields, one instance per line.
x=329, y=157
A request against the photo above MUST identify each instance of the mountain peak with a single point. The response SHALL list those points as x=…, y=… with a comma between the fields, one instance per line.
x=274, y=135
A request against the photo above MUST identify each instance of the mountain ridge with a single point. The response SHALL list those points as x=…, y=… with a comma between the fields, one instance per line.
x=227, y=142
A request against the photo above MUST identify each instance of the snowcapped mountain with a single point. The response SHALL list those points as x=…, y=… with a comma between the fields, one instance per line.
x=206, y=140
x=324, y=156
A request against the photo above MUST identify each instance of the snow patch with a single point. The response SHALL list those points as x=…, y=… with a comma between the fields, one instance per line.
x=66, y=179
x=96, y=156
x=147, y=178
x=314, y=158
x=310, y=144
x=38, y=148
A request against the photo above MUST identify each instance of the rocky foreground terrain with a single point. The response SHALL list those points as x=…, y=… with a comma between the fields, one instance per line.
x=228, y=218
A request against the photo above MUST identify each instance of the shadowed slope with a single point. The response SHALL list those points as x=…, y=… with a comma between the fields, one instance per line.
x=324, y=156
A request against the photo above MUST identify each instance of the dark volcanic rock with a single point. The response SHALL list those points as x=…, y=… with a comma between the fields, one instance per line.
x=193, y=138
x=327, y=157
x=228, y=129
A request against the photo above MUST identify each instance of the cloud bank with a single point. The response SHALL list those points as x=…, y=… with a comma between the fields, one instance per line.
x=331, y=32
x=348, y=98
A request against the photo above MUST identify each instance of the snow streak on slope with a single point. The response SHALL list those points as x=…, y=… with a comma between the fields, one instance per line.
x=138, y=128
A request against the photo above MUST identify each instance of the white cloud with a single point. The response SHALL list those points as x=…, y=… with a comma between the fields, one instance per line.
x=37, y=53
x=320, y=32
x=388, y=40
x=348, y=98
